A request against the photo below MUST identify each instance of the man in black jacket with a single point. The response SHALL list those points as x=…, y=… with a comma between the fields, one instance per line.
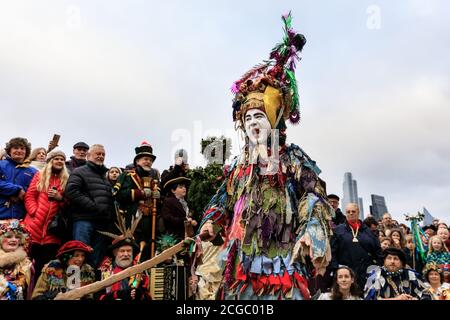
x=91, y=205
x=79, y=156
x=354, y=245
x=339, y=217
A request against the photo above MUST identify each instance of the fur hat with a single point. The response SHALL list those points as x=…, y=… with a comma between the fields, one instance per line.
x=145, y=149
x=54, y=154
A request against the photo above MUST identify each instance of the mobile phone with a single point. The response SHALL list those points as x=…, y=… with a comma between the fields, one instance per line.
x=56, y=138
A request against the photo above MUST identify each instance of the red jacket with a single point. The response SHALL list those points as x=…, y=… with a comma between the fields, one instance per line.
x=40, y=211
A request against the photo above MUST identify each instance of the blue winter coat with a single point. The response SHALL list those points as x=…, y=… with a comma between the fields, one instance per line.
x=13, y=178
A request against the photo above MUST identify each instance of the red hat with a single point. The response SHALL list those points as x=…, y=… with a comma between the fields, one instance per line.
x=72, y=246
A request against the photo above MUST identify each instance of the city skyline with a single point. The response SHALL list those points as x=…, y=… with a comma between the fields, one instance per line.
x=373, y=85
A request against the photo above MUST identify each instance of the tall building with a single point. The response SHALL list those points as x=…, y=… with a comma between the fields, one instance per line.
x=350, y=187
x=361, y=208
x=428, y=219
x=378, y=207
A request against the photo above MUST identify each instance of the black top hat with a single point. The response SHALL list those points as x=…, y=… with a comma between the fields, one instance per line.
x=145, y=149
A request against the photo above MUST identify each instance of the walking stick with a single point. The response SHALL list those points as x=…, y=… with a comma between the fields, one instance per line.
x=139, y=268
x=152, y=253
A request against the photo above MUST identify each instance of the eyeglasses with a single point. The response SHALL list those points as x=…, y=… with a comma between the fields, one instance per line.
x=350, y=211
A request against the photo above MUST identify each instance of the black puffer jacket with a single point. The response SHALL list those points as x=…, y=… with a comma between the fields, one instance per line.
x=89, y=194
x=356, y=255
x=74, y=163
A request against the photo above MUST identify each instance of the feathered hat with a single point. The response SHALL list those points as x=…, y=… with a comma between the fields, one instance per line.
x=127, y=236
x=271, y=86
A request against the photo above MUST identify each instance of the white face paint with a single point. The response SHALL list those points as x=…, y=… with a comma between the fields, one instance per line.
x=257, y=126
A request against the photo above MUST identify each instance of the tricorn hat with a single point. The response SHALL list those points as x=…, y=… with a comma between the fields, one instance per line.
x=145, y=149
x=172, y=178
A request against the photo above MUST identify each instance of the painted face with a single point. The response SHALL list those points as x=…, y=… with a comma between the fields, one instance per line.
x=344, y=279
x=257, y=126
x=385, y=244
x=10, y=242
x=77, y=258
x=352, y=212
x=434, y=277
x=58, y=163
x=18, y=153
x=41, y=155
x=113, y=174
x=180, y=191
x=97, y=156
x=80, y=153
x=436, y=243
x=393, y=263
x=124, y=256
x=145, y=162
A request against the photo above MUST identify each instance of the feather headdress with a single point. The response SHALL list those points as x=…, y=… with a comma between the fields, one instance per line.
x=127, y=234
x=272, y=85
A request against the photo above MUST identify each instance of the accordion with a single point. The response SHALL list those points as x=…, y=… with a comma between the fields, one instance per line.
x=168, y=283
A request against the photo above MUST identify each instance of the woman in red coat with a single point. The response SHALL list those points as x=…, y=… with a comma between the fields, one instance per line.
x=43, y=200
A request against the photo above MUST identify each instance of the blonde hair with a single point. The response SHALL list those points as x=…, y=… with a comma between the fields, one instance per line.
x=46, y=173
x=35, y=152
x=430, y=245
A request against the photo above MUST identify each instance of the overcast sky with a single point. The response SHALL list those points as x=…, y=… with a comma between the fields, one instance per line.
x=373, y=82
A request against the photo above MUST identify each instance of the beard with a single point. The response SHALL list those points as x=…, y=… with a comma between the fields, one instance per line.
x=146, y=168
x=124, y=263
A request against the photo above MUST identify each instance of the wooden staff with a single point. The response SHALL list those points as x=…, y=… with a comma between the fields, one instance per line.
x=139, y=268
x=155, y=188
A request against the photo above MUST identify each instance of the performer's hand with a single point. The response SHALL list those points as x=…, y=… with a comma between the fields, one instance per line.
x=133, y=294
x=193, y=222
